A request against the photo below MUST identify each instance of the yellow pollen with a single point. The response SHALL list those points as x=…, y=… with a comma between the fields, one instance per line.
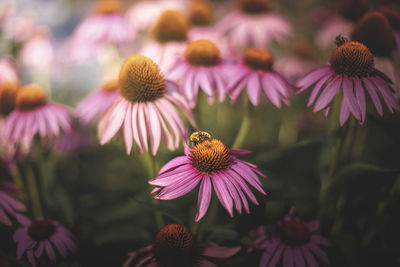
x=30, y=97
x=202, y=53
x=108, y=7
x=258, y=59
x=352, y=59
x=174, y=245
x=110, y=86
x=200, y=13
x=254, y=6
x=210, y=155
x=140, y=80
x=8, y=93
x=374, y=30
x=172, y=25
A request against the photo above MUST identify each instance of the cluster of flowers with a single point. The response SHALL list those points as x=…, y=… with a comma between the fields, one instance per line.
x=160, y=82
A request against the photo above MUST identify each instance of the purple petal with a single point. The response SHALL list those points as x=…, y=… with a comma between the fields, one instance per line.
x=360, y=95
x=386, y=93
x=128, y=131
x=374, y=96
x=253, y=88
x=344, y=112
x=350, y=98
x=277, y=256
x=180, y=188
x=312, y=77
x=311, y=262
x=319, y=253
x=169, y=178
x=50, y=251
x=328, y=93
x=238, y=152
x=215, y=251
x=204, y=197
x=246, y=173
x=142, y=126
x=174, y=163
x=222, y=193
x=298, y=257
x=239, y=180
x=320, y=240
x=288, y=257
x=154, y=126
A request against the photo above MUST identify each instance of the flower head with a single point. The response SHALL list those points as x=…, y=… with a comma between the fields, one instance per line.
x=175, y=246
x=200, y=13
x=42, y=235
x=253, y=24
x=209, y=161
x=351, y=69
x=255, y=71
x=97, y=102
x=171, y=26
x=352, y=10
x=33, y=114
x=293, y=239
x=8, y=93
x=374, y=31
x=145, y=108
x=201, y=67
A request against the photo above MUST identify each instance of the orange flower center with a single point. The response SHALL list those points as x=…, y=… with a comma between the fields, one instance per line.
x=202, y=53
x=108, y=7
x=110, y=86
x=175, y=245
x=254, y=6
x=140, y=80
x=374, y=30
x=172, y=25
x=294, y=233
x=200, y=13
x=41, y=229
x=210, y=155
x=8, y=93
x=30, y=97
x=352, y=59
x=258, y=59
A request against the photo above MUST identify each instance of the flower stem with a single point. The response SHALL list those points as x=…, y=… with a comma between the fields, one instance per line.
x=151, y=164
x=31, y=190
x=244, y=126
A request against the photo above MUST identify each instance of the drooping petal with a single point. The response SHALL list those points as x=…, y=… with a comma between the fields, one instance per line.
x=253, y=88
x=350, y=98
x=204, y=197
x=222, y=193
x=328, y=94
x=373, y=94
x=360, y=95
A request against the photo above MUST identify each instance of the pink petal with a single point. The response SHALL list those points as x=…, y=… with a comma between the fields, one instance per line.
x=215, y=251
x=50, y=251
x=350, y=98
x=174, y=163
x=204, y=197
x=328, y=94
x=360, y=98
x=298, y=257
x=253, y=88
x=155, y=127
x=317, y=88
x=374, y=96
x=288, y=257
x=222, y=193
x=128, y=131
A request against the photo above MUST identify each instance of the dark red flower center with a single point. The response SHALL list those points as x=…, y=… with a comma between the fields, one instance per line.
x=200, y=13
x=30, y=97
x=374, y=30
x=254, y=6
x=172, y=25
x=352, y=59
x=258, y=59
x=108, y=7
x=202, y=53
x=140, y=80
x=353, y=9
x=210, y=155
x=294, y=233
x=41, y=229
x=175, y=246
x=8, y=93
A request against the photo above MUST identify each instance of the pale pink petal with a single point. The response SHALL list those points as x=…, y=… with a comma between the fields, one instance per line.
x=328, y=94
x=253, y=88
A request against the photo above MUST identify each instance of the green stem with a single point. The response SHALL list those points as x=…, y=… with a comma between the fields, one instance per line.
x=33, y=193
x=244, y=126
x=151, y=163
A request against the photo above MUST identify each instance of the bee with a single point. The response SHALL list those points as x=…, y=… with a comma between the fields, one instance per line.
x=198, y=137
x=340, y=39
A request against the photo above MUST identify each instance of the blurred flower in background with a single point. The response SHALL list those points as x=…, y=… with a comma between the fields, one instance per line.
x=9, y=206
x=175, y=245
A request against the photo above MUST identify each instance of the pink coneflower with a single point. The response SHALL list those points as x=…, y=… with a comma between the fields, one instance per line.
x=340, y=21
x=175, y=246
x=295, y=241
x=253, y=25
x=170, y=34
x=145, y=108
x=202, y=68
x=394, y=19
x=42, y=235
x=374, y=31
x=8, y=70
x=107, y=24
x=209, y=161
x=254, y=71
x=351, y=69
x=34, y=115
x=8, y=205
x=202, y=26
x=142, y=14
x=97, y=102
x=8, y=94
x=38, y=51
